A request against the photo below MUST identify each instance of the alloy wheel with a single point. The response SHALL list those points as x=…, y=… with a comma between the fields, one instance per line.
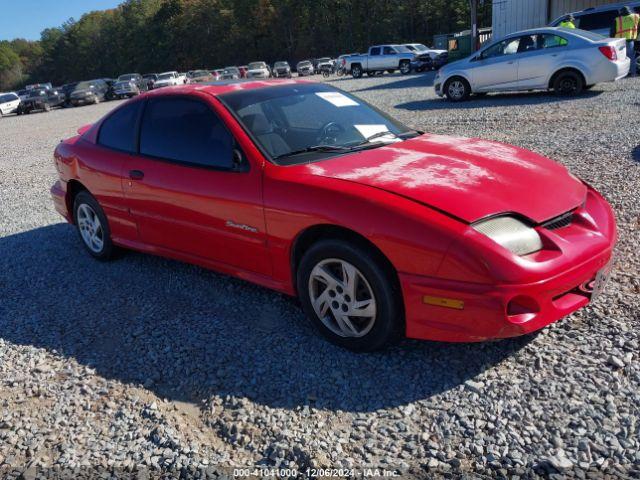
x=90, y=228
x=456, y=89
x=342, y=298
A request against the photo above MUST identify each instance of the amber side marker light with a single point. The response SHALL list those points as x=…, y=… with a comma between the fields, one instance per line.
x=443, y=302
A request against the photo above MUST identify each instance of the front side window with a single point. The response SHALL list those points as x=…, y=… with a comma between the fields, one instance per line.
x=528, y=43
x=388, y=51
x=506, y=47
x=118, y=131
x=187, y=131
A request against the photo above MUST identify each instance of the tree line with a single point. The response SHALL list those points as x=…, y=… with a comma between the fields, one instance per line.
x=158, y=35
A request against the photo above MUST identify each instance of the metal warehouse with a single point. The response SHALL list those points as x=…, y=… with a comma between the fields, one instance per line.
x=513, y=15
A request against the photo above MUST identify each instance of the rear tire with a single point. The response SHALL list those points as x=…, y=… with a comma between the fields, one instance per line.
x=405, y=68
x=356, y=71
x=92, y=226
x=349, y=282
x=568, y=84
x=457, y=89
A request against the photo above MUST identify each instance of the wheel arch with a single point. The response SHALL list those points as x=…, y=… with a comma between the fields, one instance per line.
x=315, y=233
x=573, y=69
x=73, y=188
x=462, y=75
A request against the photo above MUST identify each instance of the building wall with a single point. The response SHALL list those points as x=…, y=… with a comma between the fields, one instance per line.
x=560, y=7
x=513, y=15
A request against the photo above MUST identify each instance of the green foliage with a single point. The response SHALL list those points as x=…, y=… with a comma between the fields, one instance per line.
x=157, y=35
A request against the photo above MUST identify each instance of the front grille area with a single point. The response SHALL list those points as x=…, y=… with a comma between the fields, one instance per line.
x=560, y=221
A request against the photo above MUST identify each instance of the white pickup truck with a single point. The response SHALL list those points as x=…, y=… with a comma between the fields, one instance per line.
x=381, y=58
x=169, y=79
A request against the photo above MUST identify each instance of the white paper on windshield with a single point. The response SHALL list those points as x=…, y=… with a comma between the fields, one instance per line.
x=368, y=130
x=337, y=99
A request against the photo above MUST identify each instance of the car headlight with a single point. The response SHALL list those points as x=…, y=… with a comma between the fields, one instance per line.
x=510, y=233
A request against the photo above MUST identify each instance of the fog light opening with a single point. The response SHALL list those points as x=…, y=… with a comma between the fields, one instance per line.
x=522, y=305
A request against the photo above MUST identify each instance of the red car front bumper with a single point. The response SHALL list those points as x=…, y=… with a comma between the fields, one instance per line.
x=485, y=314
x=458, y=311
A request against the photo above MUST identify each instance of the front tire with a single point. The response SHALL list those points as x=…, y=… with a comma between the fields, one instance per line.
x=356, y=71
x=349, y=297
x=568, y=84
x=92, y=226
x=457, y=89
x=405, y=68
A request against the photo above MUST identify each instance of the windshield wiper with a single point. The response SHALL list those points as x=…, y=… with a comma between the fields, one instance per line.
x=314, y=148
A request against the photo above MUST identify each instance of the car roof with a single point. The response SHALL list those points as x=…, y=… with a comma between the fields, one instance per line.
x=533, y=31
x=225, y=86
x=603, y=8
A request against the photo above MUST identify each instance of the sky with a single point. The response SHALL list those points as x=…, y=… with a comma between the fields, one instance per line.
x=27, y=18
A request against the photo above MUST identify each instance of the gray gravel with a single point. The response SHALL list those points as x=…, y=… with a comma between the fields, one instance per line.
x=150, y=363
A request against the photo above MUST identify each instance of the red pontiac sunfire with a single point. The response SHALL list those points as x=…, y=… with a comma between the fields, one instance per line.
x=380, y=230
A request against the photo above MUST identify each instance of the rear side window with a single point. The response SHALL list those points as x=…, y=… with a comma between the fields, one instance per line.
x=118, y=131
x=375, y=51
x=9, y=97
x=598, y=21
x=551, y=41
x=187, y=131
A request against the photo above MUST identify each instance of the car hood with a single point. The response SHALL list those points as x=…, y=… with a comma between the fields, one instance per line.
x=467, y=178
x=258, y=70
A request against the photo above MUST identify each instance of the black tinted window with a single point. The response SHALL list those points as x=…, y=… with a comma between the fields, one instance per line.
x=119, y=130
x=388, y=51
x=375, y=51
x=598, y=21
x=186, y=131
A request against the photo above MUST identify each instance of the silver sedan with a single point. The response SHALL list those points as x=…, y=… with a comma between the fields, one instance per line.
x=565, y=60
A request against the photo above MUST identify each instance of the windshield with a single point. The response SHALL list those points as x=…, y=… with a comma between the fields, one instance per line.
x=401, y=49
x=233, y=70
x=417, y=46
x=126, y=78
x=281, y=64
x=304, y=64
x=310, y=122
x=37, y=92
x=323, y=60
x=165, y=76
x=256, y=65
x=85, y=85
x=200, y=73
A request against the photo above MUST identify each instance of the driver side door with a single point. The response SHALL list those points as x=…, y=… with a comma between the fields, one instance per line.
x=496, y=68
x=186, y=193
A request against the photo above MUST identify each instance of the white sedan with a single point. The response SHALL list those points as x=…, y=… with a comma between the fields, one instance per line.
x=567, y=61
x=8, y=103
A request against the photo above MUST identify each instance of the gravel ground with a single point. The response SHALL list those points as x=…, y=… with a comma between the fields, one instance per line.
x=146, y=363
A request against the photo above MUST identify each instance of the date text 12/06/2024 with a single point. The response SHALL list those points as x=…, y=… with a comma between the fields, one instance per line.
x=279, y=473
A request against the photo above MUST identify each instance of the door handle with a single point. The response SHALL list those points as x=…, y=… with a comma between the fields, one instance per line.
x=136, y=174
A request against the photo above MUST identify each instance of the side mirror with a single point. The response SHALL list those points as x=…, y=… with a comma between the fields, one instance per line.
x=238, y=161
